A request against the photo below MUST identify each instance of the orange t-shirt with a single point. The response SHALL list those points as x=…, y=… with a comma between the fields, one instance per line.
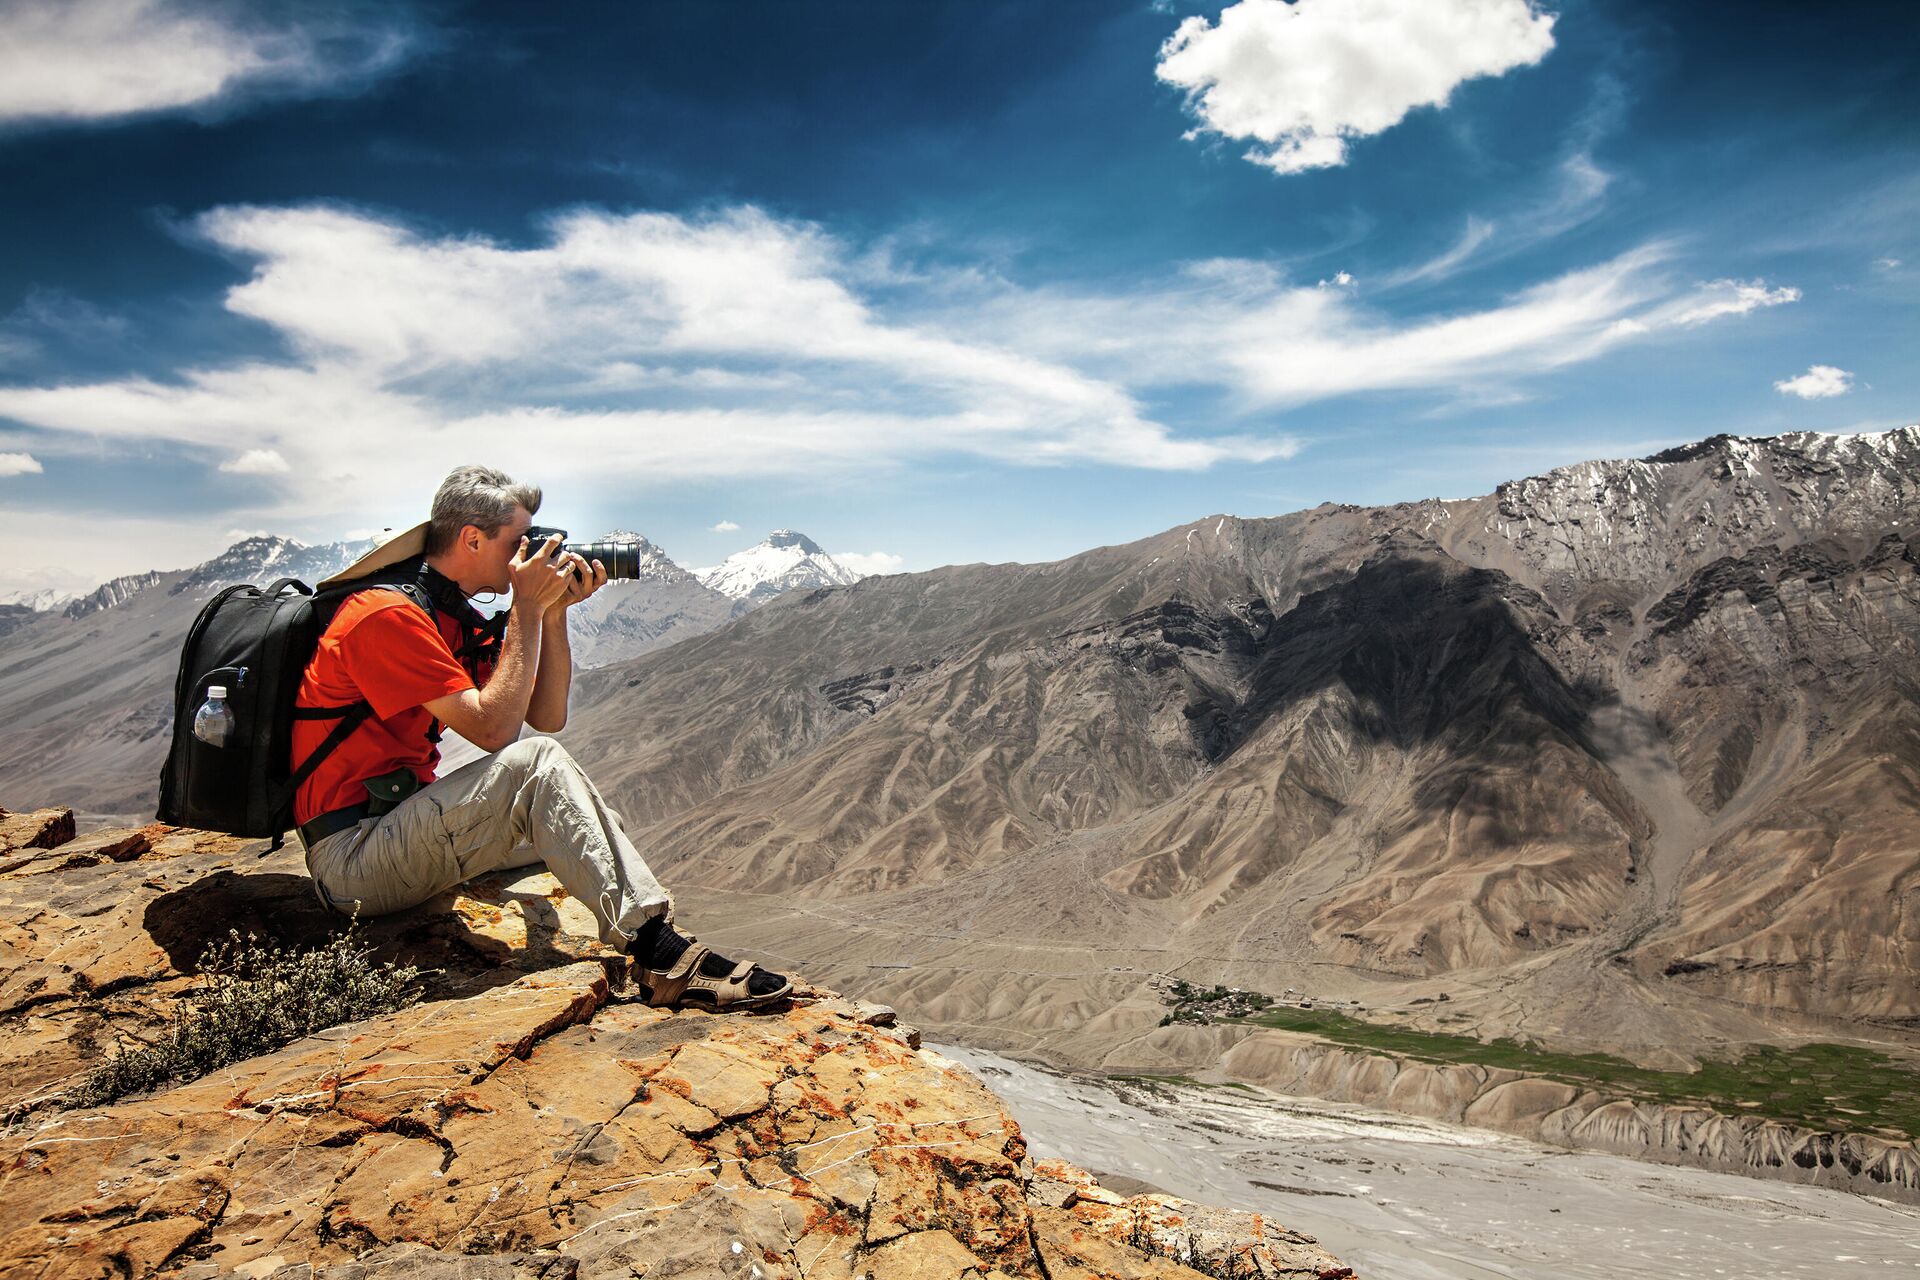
x=383, y=647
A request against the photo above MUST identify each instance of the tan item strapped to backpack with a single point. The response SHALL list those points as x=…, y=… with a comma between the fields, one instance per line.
x=402, y=546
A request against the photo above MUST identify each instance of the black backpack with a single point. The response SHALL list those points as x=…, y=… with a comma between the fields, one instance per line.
x=257, y=643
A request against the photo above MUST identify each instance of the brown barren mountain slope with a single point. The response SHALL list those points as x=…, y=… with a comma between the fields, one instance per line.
x=1618, y=756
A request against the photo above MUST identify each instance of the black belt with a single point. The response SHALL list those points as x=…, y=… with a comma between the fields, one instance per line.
x=333, y=822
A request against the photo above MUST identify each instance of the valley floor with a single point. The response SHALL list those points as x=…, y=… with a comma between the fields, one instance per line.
x=1421, y=1200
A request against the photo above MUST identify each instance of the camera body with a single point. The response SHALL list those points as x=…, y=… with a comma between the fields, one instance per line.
x=622, y=559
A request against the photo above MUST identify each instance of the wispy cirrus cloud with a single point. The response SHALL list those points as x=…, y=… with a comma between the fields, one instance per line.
x=101, y=60
x=1720, y=298
x=1301, y=78
x=640, y=349
x=1271, y=344
x=648, y=346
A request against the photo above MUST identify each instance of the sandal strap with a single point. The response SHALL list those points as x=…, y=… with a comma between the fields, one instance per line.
x=667, y=984
x=667, y=987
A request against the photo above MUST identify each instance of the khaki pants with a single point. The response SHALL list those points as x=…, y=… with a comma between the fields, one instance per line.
x=525, y=804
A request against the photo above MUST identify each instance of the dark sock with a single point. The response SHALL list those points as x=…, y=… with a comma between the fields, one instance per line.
x=657, y=944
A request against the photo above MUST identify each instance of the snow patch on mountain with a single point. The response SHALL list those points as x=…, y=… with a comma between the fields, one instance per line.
x=783, y=561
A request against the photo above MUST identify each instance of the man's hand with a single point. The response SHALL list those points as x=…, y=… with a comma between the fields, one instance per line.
x=539, y=580
x=583, y=579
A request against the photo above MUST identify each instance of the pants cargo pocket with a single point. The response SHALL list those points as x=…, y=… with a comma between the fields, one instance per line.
x=405, y=859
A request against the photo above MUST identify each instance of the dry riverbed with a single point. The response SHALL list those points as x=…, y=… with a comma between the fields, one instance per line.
x=1416, y=1199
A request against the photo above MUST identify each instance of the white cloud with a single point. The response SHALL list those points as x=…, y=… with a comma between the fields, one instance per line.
x=659, y=348
x=415, y=354
x=1719, y=298
x=257, y=462
x=1340, y=280
x=1887, y=264
x=1300, y=79
x=239, y=535
x=1477, y=232
x=725, y=526
x=870, y=562
x=91, y=60
x=19, y=464
x=1819, y=382
x=1273, y=345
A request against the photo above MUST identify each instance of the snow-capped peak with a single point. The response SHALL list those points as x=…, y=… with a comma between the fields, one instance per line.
x=793, y=538
x=43, y=600
x=783, y=560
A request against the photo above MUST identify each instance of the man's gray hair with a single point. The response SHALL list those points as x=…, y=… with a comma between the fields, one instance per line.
x=478, y=496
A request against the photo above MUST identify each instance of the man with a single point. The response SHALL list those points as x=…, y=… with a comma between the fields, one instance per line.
x=528, y=801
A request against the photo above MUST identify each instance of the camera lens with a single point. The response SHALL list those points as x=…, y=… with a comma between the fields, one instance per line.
x=622, y=559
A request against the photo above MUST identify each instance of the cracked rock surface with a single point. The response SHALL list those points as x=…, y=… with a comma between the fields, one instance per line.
x=527, y=1120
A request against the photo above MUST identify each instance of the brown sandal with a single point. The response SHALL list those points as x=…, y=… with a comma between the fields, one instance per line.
x=683, y=986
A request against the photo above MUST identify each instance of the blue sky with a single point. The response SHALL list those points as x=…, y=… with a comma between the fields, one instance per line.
x=931, y=282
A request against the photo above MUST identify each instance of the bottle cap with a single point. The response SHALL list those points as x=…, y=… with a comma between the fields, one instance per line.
x=216, y=691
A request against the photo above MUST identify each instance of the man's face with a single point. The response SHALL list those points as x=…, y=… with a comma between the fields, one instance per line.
x=497, y=552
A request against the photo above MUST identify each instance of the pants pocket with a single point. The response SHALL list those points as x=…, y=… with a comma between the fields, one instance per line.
x=405, y=859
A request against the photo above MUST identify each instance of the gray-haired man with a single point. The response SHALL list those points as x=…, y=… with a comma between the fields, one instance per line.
x=383, y=833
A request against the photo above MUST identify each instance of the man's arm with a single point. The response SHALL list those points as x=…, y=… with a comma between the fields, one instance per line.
x=547, y=708
x=547, y=711
x=490, y=718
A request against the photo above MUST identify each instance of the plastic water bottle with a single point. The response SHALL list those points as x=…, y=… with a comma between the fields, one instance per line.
x=213, y=722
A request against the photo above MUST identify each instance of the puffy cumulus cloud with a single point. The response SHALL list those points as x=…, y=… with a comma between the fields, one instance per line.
x=1819, y=382
x=724, y=526
x=867, y=563
x=19, y=464
x=257, y=462
x=93, y=60
x=1300, y=79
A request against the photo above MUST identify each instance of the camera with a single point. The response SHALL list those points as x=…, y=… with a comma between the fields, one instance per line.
x=622, y=559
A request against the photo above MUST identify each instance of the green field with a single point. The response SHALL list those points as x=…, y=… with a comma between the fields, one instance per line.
x=1820, y=1086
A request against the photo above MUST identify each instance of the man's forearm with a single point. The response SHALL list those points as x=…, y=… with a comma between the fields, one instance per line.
x=508, y=692
x=547, y=709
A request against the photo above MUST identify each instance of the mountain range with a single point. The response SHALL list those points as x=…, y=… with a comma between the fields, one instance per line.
x=1624, y=756
x=86, y=684
x=666, y=603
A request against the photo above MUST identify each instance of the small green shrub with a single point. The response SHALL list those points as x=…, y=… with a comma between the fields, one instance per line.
x=253, y=998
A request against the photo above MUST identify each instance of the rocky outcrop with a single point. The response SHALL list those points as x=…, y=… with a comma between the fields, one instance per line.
x=527, y=1119
x=1221, y=1242
x=109, y=595
x=1558, y=1113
